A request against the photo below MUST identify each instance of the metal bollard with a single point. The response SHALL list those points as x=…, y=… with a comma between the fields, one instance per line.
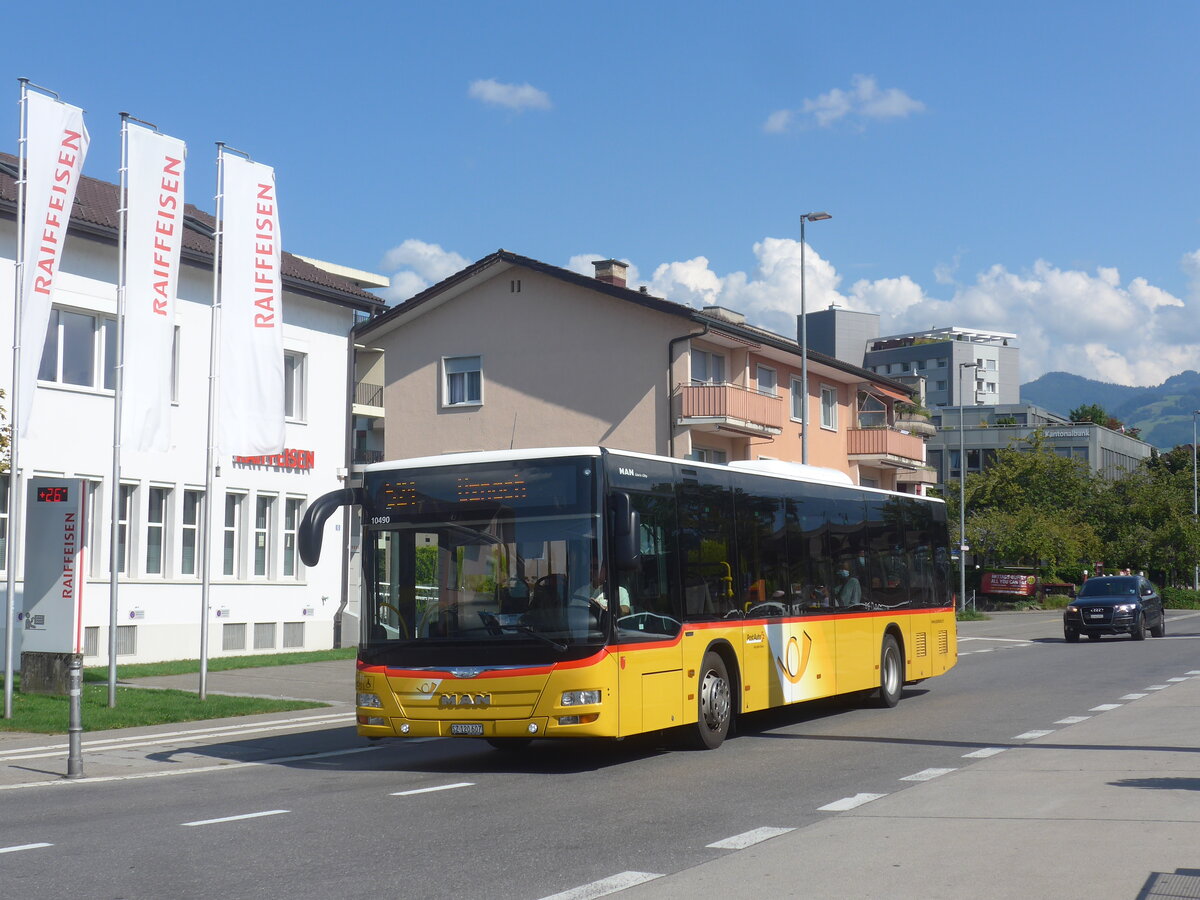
x=75, y=717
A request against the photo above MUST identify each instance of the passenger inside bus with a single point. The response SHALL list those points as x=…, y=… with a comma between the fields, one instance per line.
x=594, y=591
x=848, y=591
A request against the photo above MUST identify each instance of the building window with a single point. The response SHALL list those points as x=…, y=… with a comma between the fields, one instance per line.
x=124, y=511
x=707, y=368
x=829, y=406
x=175, y=366
x=293, y=635
x=3, y=522
x=192, y=512
x=80, y=349
x=704, y=454
x=264, y=635
x=463, y=381
x=292, y=510
x=156, y=518
x=765, y=378
x=991, y=387
x=233, y=636
x=294, y=384
x=231, y=562
x=941, y=363
x=991, y=364
x=797, y=400
x=264, y=508
x=872, y=412
x=939, y=385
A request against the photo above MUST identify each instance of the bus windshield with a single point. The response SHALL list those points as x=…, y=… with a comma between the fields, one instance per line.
x=483, y=565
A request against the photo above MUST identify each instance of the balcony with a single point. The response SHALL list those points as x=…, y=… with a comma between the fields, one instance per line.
x=885, y=447
x=368, y=399
x=727, y=407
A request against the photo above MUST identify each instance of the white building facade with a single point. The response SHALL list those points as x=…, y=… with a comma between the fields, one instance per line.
x=262, y=598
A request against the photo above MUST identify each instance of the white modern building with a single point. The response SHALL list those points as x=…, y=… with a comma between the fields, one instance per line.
x=262, y=598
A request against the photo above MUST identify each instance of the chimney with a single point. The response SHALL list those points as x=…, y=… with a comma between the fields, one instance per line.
x=611, y=271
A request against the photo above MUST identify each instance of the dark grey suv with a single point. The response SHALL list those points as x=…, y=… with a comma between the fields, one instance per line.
x=1115, y=604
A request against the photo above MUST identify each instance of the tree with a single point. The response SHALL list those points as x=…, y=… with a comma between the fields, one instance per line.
x=1090, y=412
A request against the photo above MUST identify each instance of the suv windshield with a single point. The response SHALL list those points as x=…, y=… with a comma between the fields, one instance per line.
x=1109, y=587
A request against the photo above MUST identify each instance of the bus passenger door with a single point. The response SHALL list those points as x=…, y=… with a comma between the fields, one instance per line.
x=649, y=664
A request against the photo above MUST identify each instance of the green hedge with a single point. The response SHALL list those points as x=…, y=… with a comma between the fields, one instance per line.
x=1180, y=598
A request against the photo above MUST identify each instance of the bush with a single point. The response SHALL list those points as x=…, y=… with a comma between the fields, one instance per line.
x=1180, y=598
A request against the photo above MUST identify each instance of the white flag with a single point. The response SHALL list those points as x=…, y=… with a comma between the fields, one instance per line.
x=56, y=144
x=153, y=240
x=251, y=403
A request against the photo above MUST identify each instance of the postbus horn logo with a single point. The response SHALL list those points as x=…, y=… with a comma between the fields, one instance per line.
x=795, y=658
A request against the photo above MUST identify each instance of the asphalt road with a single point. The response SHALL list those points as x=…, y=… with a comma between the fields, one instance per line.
x=442, y=818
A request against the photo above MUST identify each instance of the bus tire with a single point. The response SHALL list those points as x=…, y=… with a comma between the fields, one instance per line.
x=891, y=672
x=714, y=704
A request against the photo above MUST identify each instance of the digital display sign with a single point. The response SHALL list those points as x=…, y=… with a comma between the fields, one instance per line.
x=52, y=495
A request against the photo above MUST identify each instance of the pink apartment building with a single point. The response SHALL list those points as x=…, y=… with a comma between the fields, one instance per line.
x=511, y=352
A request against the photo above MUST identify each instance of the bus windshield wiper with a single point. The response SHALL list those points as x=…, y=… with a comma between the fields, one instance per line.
x=525, y=629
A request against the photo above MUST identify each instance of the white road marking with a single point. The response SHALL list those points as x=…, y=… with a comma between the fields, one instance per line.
x=748, y=839
x=257, y=815
x=1031, y=735
x=220, y=767
x=927, y=774
x=1072, y=720
x=849, y=802
x=1004, y=640
x=1158, y=687
x=1134, y=696
x=430, y=790
x=1194, y=672
x=23, y=847
x=984, y=650
x=984, y=753
x=1105, y=707
x=1177, y=680
x=605, y=886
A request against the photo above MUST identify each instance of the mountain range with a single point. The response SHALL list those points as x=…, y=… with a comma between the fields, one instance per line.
x=1163, y=412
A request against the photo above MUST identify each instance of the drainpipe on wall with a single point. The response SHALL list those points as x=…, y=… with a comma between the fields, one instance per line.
x=670, y=360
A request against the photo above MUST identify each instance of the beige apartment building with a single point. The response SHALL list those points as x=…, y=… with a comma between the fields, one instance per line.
x=511, y=352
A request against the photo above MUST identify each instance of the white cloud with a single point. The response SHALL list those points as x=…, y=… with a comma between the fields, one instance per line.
x=519, y=97
x=415, y=265
x=1093, y=323
x=863, y=101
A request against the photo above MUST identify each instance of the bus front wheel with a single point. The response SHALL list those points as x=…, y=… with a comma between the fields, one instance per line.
x=714, y=704
x=891, y=672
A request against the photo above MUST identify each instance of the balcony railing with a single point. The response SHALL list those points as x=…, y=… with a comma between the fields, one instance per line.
x=734, y=406
x=368, y=394
x=883, y=442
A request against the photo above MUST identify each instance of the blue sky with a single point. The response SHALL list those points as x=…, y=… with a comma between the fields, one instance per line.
x=1025, y=167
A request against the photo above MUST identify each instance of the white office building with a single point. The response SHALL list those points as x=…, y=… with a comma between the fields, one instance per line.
x=262, y=598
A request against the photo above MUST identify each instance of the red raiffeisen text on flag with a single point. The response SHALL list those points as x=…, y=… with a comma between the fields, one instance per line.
x=154, y=239
x=251, y=408
x=56, y=145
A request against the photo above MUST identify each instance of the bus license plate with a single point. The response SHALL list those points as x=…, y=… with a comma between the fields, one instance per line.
x=475, y=728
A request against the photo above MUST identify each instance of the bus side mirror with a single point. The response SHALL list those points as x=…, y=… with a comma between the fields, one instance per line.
x=626, y=532
x=313, y=524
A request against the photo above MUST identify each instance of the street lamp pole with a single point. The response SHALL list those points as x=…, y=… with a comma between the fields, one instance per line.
x=806, y=217
x=1195, y=569
x=962, y=490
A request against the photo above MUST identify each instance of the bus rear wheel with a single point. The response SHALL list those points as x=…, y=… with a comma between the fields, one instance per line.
x=891, y=672
x=714, y=704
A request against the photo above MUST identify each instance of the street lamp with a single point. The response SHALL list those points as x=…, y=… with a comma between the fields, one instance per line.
x=1196, y=569
x=806, y=217
x=962, y=489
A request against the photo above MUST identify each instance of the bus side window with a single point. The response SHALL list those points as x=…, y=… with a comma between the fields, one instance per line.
x=706, y=546
x=653, y=587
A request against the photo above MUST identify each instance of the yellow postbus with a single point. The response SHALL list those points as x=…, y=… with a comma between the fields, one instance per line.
x=587, y=592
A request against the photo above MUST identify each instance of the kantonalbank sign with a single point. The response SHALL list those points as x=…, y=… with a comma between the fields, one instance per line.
x=289, y=459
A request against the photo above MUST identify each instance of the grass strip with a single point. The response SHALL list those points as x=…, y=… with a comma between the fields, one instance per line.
x=217, y=664
x=49, y=714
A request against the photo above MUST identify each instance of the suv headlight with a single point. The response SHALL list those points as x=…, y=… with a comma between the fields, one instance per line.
x=1126, y=607
x=580, y=698
x=1072, y=609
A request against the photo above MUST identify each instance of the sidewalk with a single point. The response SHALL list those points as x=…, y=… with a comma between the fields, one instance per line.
x=28, y=759
x=1108, y=807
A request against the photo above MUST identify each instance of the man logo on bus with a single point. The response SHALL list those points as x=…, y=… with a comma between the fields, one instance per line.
x=795, y=658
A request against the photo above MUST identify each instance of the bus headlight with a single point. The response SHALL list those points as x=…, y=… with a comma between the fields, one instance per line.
x=580, y=698
x=368, y=700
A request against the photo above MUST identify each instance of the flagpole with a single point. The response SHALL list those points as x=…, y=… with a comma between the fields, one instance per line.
x=114, y=547
x=214, y=357
x=14, y=493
